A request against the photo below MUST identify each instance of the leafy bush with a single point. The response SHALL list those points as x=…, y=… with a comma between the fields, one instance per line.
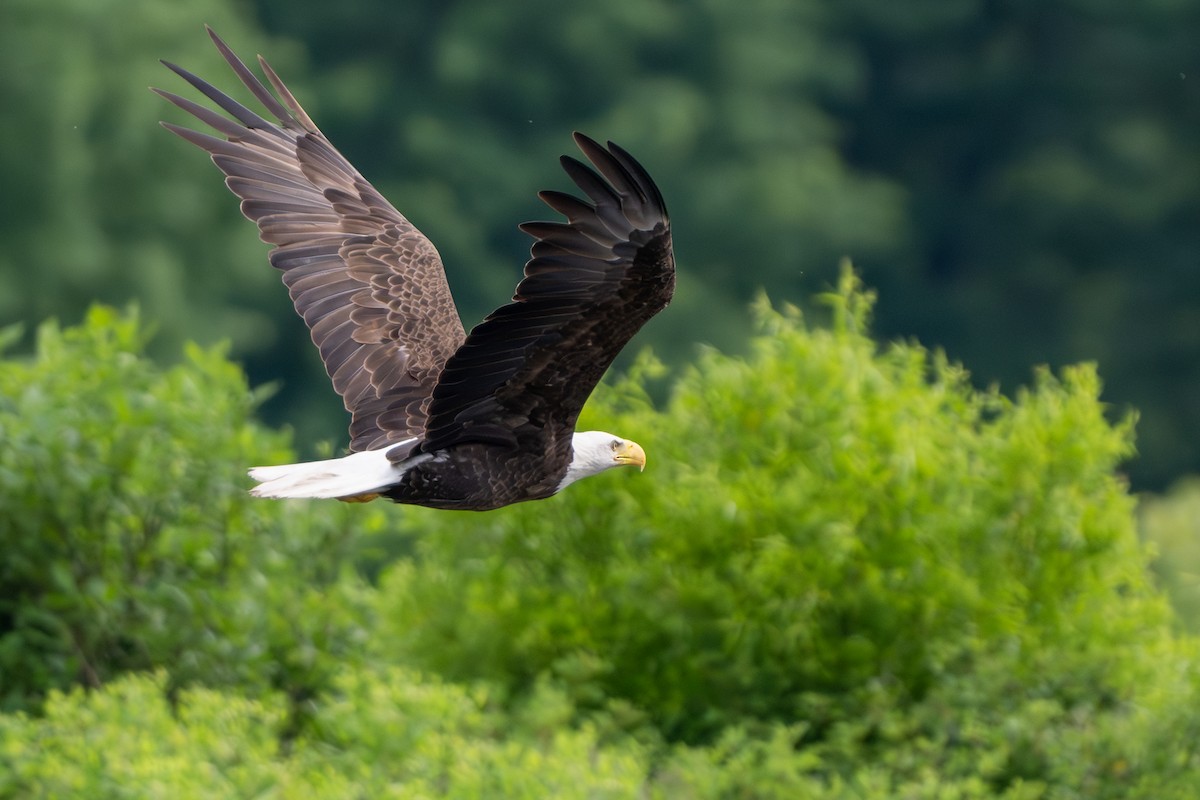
x=846, y=574
x=129, y=540
x=383, y=732
x=386, y=735
x=829, y=535
x=1171, y=524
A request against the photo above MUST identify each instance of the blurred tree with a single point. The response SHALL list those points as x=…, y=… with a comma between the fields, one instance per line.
x=96, y=204
x=1049, y=151
x=99, y=203
x=454, y=112
x=1017, y=178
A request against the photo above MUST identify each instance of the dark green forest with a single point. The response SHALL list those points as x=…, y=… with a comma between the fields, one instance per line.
x=1019, y=180
x=920, y=528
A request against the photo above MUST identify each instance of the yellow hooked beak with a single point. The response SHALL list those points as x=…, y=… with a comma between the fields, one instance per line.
x=631, y=454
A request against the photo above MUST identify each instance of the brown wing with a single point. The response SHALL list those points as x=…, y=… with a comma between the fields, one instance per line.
x=369, y=285
x=593, y=281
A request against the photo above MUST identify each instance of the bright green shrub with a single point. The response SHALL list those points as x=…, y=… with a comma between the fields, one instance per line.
x=829, y=535
x=385, y=734
x=127, y=741
x=1171, y=524
x=128, y=538
x=381, y=732
x=845, y=574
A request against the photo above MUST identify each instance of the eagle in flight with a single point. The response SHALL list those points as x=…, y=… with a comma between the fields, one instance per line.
x=440, y=417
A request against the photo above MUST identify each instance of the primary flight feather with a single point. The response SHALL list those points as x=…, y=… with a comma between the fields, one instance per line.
x=440, y=417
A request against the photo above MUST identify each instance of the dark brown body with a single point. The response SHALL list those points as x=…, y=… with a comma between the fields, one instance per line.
x=479, y=477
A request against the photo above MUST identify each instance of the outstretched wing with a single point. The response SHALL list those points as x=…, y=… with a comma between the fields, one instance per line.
x=592, y=282
x=369, y=285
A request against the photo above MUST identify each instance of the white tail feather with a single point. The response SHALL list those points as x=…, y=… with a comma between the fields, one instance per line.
x=353, y=475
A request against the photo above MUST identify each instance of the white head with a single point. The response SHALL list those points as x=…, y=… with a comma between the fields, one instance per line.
x=595, y=451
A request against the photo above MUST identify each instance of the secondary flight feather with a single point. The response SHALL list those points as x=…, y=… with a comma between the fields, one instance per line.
x=440, y=417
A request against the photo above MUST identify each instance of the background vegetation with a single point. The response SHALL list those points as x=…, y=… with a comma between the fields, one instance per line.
x=852, y=570
x=1018, y=179
x=865, y=579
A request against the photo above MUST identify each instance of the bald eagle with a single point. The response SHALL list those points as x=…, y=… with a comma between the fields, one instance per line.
x=440, y=417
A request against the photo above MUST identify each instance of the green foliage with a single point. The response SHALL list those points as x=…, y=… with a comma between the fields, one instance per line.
x=480, y=94
x=846, y=574
x=129, y=538
x=816, y=517
x=101, y=203
x=997, y=188
x=1020, y=179
x=1171, y=524
x=386, y=734
x=1052, y=188
x=851, y=540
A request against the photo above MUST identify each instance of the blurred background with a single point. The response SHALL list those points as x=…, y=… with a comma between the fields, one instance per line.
x=1019, y=180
